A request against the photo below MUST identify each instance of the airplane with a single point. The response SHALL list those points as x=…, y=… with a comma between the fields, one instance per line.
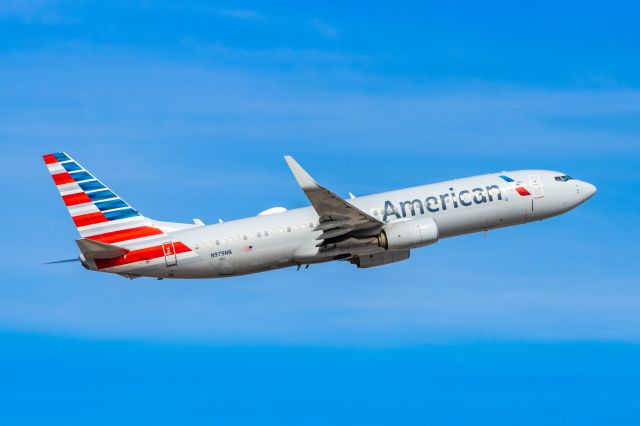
x=366, y=231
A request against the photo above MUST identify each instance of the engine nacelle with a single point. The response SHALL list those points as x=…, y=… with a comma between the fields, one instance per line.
x=409, y=234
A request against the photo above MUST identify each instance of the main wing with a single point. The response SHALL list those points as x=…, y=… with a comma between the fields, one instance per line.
x=342, y=224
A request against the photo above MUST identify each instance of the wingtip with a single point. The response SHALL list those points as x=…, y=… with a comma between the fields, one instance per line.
x=301, y=175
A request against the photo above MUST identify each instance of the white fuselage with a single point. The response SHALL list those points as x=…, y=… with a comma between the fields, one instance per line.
x=273, y=241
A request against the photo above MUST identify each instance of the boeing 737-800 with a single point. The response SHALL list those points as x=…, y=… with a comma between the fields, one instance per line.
x=367, y=231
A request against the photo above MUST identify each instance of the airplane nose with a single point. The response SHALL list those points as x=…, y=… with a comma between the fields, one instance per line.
x=587, y=190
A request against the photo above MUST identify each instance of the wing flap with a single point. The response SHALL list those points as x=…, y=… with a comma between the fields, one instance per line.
x=327, y=226
x=335, y=232
x=339, y=219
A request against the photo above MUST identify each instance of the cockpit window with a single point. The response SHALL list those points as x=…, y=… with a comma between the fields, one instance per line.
x=563, y=178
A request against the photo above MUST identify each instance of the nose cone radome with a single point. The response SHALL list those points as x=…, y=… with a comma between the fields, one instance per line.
x=588, y=190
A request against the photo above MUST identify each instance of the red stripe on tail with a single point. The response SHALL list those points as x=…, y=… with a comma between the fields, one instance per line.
x=89, y=219
x=49, y=159
x=62, y=178
x=126, y=234
x=74, y=199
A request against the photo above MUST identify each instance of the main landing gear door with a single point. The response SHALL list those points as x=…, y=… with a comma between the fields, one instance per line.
x=170, y=257
x=536, y=185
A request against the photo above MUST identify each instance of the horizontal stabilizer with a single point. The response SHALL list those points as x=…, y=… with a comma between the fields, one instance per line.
x=91, y=249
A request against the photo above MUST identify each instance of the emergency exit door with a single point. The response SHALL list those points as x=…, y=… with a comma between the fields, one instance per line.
x=170, y=257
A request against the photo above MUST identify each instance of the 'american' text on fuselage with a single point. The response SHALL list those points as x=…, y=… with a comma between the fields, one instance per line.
x=433, y=203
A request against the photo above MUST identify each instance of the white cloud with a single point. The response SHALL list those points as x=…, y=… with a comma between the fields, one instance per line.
x=324, y=29
x=239, y=14
x=323, y=101
x=275, y=56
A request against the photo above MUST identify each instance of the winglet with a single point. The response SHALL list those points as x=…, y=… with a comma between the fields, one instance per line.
x=331, y=207
x=303, y=178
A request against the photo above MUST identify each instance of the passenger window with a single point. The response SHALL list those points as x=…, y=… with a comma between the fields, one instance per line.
x=266, y=233
x=244, y=237
x=310, y=225
x=259, y=235
x=217, y=242
x=288, y=229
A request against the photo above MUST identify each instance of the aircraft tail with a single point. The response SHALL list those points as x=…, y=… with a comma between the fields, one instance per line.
x=98, y=213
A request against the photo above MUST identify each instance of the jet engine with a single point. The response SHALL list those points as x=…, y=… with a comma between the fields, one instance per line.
x=409, y=234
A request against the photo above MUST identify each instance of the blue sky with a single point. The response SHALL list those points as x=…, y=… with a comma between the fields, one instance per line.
x=186, y=111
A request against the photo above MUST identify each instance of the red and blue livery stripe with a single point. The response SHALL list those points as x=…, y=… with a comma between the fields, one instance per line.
x=90, y=203
x=147, y=253
x=126, y=234
x=520, y=189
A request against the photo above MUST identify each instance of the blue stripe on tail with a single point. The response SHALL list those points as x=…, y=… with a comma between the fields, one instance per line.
x=71, y=166
x=91, y=185
x=111, y=204
x=121, y=214
x=101, y=195
x=80, y=176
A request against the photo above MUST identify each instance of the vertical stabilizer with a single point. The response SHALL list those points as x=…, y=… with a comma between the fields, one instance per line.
x=98, y=213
